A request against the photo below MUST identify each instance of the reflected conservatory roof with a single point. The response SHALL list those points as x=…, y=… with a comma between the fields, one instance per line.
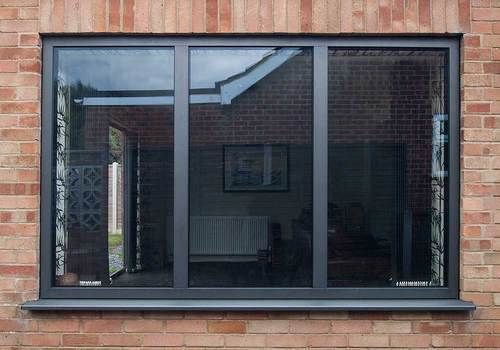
x=224, y=92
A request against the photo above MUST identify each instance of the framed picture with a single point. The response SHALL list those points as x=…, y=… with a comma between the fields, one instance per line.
x=256, y=168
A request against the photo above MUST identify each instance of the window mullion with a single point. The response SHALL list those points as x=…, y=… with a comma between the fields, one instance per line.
x=320, y=167
x=181, y=167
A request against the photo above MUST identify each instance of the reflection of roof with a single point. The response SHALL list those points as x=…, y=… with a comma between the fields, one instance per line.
x=225, y=91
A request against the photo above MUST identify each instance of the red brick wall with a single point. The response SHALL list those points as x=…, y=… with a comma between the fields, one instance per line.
x=20, y=23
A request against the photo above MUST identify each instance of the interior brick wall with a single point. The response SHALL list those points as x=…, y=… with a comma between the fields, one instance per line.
x=21, y=22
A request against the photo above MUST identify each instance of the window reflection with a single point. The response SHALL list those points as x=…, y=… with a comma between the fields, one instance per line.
x=387, y=183
x=114, y=167
x=250, y=167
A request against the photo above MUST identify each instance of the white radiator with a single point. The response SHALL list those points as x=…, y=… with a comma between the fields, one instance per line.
x=225, y=236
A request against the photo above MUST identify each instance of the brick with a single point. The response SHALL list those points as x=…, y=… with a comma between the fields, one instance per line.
x=121, y=340
x=438, y=16
x=186, y=326
x=45, y=16
x=358, y=16
x=17, y=270
x=157, y=21
x=80, y=340
x=367, y=340
x=226, y=327
x=114, y=15
x=319, y=13
x=9, y=13
x=7, y=66
x=391, y=327
x=225, y=16
x=203, y=340
x=333, y=16
x=492, y=258
x=17, y=325
x=411, y=340
x=102, y=326
x=212, y=15
x=424, y=16
x=464, y=15
x=411, y=15
x=268, y=326
x=30, y=66
x=266, y=16
x=72, y=16
x=327, y=341
x=143, y=326
x=279, y=16
x=309, y=326
x=455, y=341
x=245, y=341
x=486, y=341
x=478, y=107
x=286, y=340
x=481, y=14
x=37, y=339
x=351, y=326
x=476, y=217
x=170, y=16
x=432, y=327
x=8, y=53
x=163, y=340
x=28, y=13
x=292, y=15
x=19, y=3
x=128, y=15
x=472, y=40
x=141, y=15
x=492, y=67
x=398, y=16
x=29, y=40
x=306, y=16
x=198, y=10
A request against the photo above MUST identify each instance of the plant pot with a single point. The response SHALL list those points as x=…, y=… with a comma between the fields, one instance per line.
x=68, y=279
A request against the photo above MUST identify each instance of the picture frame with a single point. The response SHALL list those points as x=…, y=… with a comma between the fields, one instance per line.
x=255, y=168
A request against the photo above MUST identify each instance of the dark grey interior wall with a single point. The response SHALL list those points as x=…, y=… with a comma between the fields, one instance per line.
x=207, y=196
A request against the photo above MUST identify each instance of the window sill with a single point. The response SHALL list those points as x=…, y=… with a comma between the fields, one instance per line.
x=249, y=305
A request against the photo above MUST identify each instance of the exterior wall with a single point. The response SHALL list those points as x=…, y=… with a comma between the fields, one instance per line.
x=20, y=54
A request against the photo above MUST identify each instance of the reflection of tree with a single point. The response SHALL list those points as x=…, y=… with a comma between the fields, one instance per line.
x=61, y=185
x=115, y=146
x=439, y=176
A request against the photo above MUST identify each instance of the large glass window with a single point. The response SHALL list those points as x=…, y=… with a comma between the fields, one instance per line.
x=388, y=168
x=305, y=168
x=113, y=173
x=250, y=132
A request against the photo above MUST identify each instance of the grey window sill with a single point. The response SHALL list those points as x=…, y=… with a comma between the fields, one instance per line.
x=249, y=305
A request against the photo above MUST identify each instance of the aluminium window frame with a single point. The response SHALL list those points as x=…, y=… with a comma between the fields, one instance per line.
x=180, y=290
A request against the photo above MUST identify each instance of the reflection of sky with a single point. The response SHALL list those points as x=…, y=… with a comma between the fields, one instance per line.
x=119, y=69
x=208, y=66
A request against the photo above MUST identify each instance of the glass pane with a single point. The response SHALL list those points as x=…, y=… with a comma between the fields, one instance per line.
x=388, y=168
x=250, y=167
x=114, y=167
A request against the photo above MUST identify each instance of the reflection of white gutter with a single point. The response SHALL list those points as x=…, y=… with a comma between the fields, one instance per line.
x=236, y=87
x=200, y=98
x=145, y=100
x=128, y=101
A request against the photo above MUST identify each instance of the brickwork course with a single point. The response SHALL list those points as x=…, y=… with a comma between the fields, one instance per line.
x=22, y=22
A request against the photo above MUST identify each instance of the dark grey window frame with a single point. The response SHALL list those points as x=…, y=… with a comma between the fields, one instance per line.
x=182, y=297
